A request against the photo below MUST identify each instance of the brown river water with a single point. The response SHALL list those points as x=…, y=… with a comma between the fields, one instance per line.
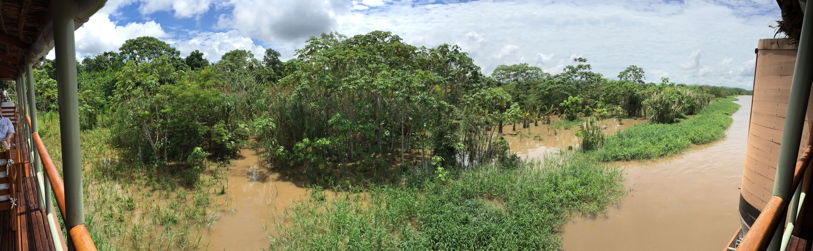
x=254, y=202
x=684, y=202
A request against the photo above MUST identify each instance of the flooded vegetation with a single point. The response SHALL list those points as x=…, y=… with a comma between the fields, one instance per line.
x=538, y=141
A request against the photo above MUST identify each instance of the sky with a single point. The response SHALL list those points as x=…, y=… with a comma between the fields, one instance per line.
x=694, y=42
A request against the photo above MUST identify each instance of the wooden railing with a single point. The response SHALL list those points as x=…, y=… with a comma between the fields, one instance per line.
x=80, y=237
x=762, y=231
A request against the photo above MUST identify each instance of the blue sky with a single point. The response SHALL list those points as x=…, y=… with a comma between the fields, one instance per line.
x=695, y=42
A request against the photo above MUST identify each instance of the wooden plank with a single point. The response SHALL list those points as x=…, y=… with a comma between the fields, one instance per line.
x=38, y=227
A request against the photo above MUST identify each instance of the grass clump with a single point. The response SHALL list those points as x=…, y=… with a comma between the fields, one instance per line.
x=489, y=207
x=649, y=141
x=590, y=135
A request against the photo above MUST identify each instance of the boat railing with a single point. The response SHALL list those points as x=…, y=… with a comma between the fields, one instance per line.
x=764, y=230
x=79, y=236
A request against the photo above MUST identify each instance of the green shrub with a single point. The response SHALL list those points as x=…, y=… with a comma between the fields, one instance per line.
x=573, y=108
x=590, y=135
x=665, y=106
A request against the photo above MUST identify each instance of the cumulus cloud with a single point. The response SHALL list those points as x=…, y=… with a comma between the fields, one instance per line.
x=101, y=34
x=659, y=36
x=181, y=8
x=508, y=50
x=282, y=21
x=215, y=44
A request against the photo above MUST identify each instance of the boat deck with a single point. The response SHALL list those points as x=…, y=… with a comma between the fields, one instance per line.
x=23, y=219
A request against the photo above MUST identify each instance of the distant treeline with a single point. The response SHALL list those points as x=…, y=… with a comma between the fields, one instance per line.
x=367, y=101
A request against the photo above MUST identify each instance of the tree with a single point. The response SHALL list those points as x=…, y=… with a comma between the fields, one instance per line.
x=274, y=68
x=146, y=49
x=46, y=90
x=665, y=81
x=236, y=60
x=196, y=61
x=521, y=80
x=48, y=66
x=107, y=61
x=506, y=74
x=633, y=74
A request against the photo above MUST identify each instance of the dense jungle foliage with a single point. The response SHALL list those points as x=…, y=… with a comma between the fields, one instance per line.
x=365, y=102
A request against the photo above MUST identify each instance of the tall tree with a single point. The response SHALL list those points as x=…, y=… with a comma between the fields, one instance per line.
x=274, y=68
x=195, y=60
x=507, y=74
x=633, y=74
x=106, y=61
x=146, y=49
x=521, y=82
x=236, y=60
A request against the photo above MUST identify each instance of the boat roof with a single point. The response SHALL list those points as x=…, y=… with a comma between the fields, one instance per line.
x=26, y=31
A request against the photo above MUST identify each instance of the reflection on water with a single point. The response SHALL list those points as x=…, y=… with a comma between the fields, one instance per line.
x=684, y=202
x=254, y=201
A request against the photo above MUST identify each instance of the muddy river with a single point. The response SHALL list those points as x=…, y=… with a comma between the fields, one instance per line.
x=255, y=200
x=684, y=202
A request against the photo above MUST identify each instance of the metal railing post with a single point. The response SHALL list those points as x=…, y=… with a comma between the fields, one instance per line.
x=32, y=113
x=64, y=44
x=794, y=121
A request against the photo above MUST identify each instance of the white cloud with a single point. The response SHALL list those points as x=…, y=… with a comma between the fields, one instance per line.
x=283, y=21
x=655, y=35
x=694, y=61
x=215, y=44
x=507, y=51
x=101, y=34
x=181, y=8
x=375, y=3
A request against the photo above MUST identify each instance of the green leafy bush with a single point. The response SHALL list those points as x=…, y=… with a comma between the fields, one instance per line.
x=573, y=108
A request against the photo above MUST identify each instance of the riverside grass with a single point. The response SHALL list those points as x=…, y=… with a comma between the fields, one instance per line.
x=131, y=206
x=649, y=141
x=488, y=207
